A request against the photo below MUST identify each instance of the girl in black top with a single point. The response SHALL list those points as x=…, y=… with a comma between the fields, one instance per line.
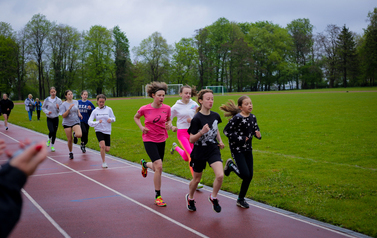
x=6, y=106
x=240, y=131
x=205, y=136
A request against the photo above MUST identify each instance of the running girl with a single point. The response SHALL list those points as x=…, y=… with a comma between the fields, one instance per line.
x=6, y=106
x=157, y=122
x=184, y=109
x=205, y=135
x=86, y=107
x=51, y=107
x=240, y=131
x=71, y=119
x=104, y=117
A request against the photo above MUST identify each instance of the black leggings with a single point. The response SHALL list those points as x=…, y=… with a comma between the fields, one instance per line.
x=38, y=114
x=244, y=163
x=52, y=124
x=85, y=132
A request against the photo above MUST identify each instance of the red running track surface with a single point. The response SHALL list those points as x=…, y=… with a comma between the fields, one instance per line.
x=78, y=198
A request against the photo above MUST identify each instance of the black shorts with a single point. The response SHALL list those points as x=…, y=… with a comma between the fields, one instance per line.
x=155, y=150
x=6, y=112
x=101, y=136
x=77, y=124
x=200, y=156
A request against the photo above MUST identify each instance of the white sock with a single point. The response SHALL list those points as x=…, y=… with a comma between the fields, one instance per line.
x=213, y=197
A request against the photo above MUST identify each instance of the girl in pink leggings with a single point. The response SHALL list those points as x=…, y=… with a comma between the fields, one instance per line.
x=184, y=109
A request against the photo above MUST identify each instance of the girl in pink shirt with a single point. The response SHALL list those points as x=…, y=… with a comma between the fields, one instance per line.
x=157, y=122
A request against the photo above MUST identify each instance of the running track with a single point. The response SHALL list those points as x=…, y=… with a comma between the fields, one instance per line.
x=77, y=198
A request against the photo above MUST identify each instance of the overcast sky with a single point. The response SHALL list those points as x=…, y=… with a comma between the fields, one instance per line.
x=176, y=19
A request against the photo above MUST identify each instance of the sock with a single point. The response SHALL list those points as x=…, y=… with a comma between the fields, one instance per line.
x=158, y=193
x=213, y=197
x=52, y=145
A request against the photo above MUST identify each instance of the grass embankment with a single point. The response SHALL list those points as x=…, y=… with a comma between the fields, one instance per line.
x=317, y=156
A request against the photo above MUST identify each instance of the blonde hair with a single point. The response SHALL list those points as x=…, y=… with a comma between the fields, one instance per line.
x=231, y=109
x=200, y=96
x=155, y=86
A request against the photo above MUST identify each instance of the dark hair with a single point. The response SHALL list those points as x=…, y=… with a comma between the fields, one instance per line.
x=155, y=86
x=200, y=96
x=66, y=92
x=231, y=109
x=83, y=91
x=52, y=88
x=193, y=90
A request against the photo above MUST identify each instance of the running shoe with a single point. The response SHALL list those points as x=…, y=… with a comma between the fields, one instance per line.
x=74, y=138
x=228, y=168
x=215, y=204
x=159, y=202
x=48, y=143
x=173, y=148
x=83, y=148
x=6, y=128
x=242, y=203
x=52, y=149
x=199, y=186
x=144, y=171
x=190, y=204
x=104, y=165
x=70, y=155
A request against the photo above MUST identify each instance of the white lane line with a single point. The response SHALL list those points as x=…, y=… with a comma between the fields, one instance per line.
x=112, y=190
x=56, y=225
x=254, y=205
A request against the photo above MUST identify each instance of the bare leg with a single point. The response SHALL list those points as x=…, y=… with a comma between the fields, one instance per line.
x=68, y=132
x=194, y=184
x=219, y=175
x=157, y=168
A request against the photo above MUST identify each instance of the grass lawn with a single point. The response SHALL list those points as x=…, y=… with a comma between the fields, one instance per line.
x=317, y=156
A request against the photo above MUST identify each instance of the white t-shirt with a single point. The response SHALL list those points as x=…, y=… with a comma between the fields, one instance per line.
x=182, y=112
x=102, y=114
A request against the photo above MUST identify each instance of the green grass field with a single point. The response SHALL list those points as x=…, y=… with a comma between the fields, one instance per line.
x=317, y=156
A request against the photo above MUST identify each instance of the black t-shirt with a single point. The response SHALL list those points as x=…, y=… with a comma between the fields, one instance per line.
x=207, y=143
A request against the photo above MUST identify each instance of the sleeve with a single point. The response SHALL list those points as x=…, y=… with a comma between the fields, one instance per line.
x=195, y=126
x=111, y=115
x=173, y=112
x=256, y=127
x=62, y=109
x=11, y=105
x=141, y=111
x=26, y=102
x=44, y=108
x=91, y=121
x=11, y=182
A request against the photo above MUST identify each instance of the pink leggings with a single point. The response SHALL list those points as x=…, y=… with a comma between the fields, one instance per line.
x=184, y=139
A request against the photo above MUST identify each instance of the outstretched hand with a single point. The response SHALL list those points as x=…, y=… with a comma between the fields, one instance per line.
x=30, y=158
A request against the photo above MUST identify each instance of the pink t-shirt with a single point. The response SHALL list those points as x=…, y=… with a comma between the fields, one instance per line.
x=155, y=119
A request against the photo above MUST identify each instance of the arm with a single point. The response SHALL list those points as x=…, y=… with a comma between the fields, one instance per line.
x=44, y=108
x=218, y=137
x=91, y=121
x=111, y=116
x=257, y=131
x=195, y=138
x=231, y=133
x=138, y=123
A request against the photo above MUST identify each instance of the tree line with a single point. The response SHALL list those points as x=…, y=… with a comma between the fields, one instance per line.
x=258, y=56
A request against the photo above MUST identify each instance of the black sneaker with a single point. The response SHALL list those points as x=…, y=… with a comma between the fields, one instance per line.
x=228, y=168
x=215, y=204
x=242, y=203
x=74, y=138
x=83, y=148
x=70, y=155
x=190, y=204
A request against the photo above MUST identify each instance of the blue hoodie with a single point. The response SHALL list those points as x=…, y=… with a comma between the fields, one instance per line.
x=85, y=112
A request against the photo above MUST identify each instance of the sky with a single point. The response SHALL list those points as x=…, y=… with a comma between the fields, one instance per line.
x=176, y=19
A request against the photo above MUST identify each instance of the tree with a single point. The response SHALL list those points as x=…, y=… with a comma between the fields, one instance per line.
x=8, y=63
x=302, y=33
x=328, y=45
x=155, y=52
x=38, y=30
x=122, y=62
x=184, y=61
x=370, y=47
x=99, y=64
x=346, y=51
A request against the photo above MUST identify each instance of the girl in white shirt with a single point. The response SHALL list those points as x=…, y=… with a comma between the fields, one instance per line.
x=104, y=116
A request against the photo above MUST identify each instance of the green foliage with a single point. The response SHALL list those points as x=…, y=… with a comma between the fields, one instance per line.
x=8, y=63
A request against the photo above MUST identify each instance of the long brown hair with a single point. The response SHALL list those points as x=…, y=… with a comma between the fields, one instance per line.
x=193, y=90
x=231, y=109
x=200, y=96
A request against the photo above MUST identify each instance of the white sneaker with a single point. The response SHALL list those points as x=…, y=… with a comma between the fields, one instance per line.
x=104, y=165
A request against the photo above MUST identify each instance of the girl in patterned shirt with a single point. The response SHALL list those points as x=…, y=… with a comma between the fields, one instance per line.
x=240, y=130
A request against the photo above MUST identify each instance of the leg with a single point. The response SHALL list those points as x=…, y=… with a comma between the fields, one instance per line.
x=30, y=114
x=194, y=184
x=55, y=122
x=245, y=165
x=157, y=168
x=77, y=130
x=5, y=120
x=103, y=150
x=85, y=131
x=219, y=176
x=38, y=114
x=68, y=132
